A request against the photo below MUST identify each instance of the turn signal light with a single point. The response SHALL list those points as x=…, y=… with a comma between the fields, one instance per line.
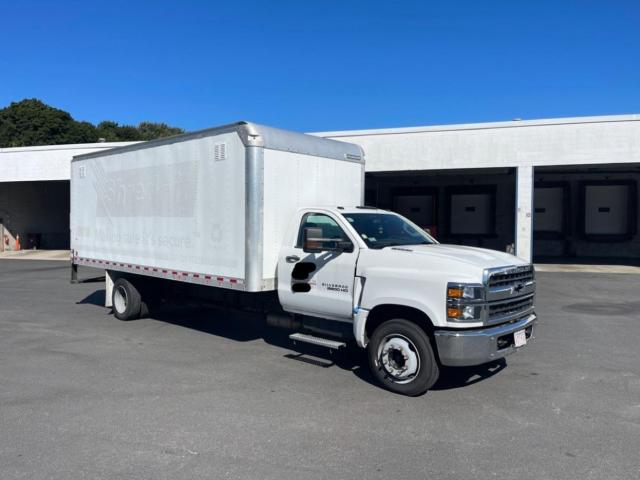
x=455, y=292
x=454, y=312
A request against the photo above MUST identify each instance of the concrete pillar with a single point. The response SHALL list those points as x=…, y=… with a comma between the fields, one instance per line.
x=524, y=213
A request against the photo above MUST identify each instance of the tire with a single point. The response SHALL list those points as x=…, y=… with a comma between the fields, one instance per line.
x=401, y=358
x=126, y=300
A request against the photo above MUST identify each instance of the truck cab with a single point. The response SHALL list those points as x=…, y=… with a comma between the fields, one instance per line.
x=412, y=302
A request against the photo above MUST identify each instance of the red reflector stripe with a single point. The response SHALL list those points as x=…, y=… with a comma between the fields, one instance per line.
x=234, y=281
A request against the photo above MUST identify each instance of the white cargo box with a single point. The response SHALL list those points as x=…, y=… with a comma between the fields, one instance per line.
x=209, y=207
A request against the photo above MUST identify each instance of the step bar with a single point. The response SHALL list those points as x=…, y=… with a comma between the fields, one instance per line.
x=323, y=342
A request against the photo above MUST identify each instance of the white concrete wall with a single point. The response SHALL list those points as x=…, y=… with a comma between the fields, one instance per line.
x=53, y=162
x=565, y=141
x=568, y=141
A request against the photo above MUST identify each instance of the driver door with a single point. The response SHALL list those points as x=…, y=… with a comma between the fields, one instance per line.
x=316, y=275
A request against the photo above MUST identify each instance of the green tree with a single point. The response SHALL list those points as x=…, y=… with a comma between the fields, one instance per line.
x=112, y=132
x=150, y=130
x=82, y=132
x=32, y=122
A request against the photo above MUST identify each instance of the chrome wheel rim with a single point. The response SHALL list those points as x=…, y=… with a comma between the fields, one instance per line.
x=120, y=299
x=398, y=358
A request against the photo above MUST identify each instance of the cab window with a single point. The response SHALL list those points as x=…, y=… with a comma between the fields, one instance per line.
x=330, y=229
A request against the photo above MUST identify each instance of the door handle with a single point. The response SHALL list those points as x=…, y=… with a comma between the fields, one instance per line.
x=292, y=258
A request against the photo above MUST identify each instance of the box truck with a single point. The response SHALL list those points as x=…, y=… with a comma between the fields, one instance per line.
x=269, y=220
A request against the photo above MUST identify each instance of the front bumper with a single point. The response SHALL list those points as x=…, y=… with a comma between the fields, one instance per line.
x=475, y=347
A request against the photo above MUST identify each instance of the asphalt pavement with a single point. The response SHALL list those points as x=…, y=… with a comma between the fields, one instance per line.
x=200, y=393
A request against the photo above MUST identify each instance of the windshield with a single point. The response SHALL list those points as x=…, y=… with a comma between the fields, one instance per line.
x=379, y=230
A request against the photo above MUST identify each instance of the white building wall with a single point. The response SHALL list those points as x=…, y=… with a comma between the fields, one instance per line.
x=567, y=141
x=52, y=162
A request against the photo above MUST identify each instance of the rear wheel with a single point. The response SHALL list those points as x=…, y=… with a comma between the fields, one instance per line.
x=401, y=357
x=126, y=300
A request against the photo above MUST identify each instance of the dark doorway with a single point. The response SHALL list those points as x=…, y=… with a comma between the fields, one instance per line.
x=467, y=207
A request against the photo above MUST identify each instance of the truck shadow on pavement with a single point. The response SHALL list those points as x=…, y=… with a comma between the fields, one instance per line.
x=246, y=327
x=95, y=298
x=457, y=377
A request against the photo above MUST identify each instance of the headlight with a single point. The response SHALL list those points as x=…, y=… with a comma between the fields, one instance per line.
x=465, y=292
x=464, y=302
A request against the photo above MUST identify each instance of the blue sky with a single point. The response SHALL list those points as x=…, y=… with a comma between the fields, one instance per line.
x=322, y=65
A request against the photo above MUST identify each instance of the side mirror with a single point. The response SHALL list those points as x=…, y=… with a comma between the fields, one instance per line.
x=314, y=242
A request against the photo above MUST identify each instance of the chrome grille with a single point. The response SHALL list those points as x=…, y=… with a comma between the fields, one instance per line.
x=514, y=275
x=510, y=308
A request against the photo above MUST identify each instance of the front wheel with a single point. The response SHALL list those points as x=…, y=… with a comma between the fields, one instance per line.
x=401, y=358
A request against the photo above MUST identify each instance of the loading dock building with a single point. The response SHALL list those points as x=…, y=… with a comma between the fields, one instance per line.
x=547, y=189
